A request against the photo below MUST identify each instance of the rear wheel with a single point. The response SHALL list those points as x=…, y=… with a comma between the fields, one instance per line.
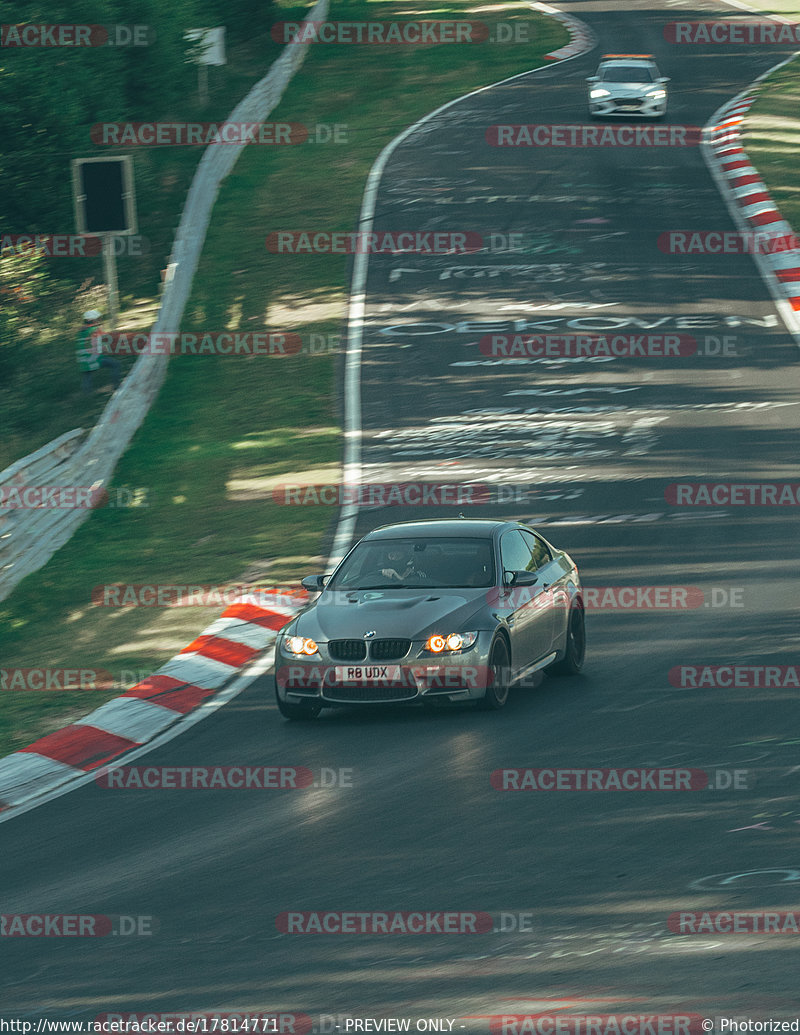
x=575, y=652
x=302, y=711
x=499, y=678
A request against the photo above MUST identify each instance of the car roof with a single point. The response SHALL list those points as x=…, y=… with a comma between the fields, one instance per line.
x=476, y=528
x=627, y=63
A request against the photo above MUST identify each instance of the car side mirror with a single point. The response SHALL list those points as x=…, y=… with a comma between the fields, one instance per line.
x=314, y=583
x=593, y=79
x=525, y=578
x=519, y=578
x=664, y=79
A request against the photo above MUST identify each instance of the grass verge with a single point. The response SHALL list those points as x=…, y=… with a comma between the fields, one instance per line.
x=788, y=8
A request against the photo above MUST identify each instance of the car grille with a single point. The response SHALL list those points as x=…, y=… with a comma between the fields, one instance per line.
x=385, y=650
x=627, y=102
x=392, y=692
x=379, y=650
x=347, y=650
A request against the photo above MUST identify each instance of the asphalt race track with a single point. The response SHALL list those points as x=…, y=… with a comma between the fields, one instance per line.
x=582, y=883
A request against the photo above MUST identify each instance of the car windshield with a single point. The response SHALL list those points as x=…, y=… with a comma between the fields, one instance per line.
x=436, y=563
x=627, y=74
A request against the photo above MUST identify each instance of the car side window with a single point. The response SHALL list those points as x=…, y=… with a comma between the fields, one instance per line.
x=538, y=548
x=515, y=552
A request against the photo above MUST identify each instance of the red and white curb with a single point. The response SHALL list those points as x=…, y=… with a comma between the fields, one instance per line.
x=581, y=37
x=184, y=685
x=751, y=205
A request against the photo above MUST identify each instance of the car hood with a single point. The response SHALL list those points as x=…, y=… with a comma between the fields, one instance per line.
x=396, y=613
x=629, y=89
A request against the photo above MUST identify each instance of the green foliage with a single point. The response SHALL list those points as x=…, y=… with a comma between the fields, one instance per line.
x=243, y=19
x=23, y=290
x=37, y=359
x=50, y=97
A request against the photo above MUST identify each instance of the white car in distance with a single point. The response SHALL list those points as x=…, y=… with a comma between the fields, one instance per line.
x=627, y=85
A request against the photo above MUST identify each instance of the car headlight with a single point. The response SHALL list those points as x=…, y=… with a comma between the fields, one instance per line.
x=657, y=95
x=449, y=643
x=598, y=92
x=299, y=646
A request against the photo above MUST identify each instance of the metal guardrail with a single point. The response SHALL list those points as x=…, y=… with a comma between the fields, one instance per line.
x=30, y=537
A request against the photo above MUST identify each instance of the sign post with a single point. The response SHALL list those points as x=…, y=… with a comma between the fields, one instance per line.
x=105, y=206
x=209, y=50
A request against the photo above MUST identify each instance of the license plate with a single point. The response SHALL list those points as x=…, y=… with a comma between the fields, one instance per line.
x=368, y=673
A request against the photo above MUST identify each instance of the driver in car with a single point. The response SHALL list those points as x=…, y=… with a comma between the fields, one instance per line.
x=401, y=558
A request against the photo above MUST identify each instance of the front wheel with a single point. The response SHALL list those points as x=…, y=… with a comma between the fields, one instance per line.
x=499, y=673
x=303, y=711
x=575, y=651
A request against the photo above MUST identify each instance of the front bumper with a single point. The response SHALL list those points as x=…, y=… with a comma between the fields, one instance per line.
x=461, y=676
x=631, y=107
